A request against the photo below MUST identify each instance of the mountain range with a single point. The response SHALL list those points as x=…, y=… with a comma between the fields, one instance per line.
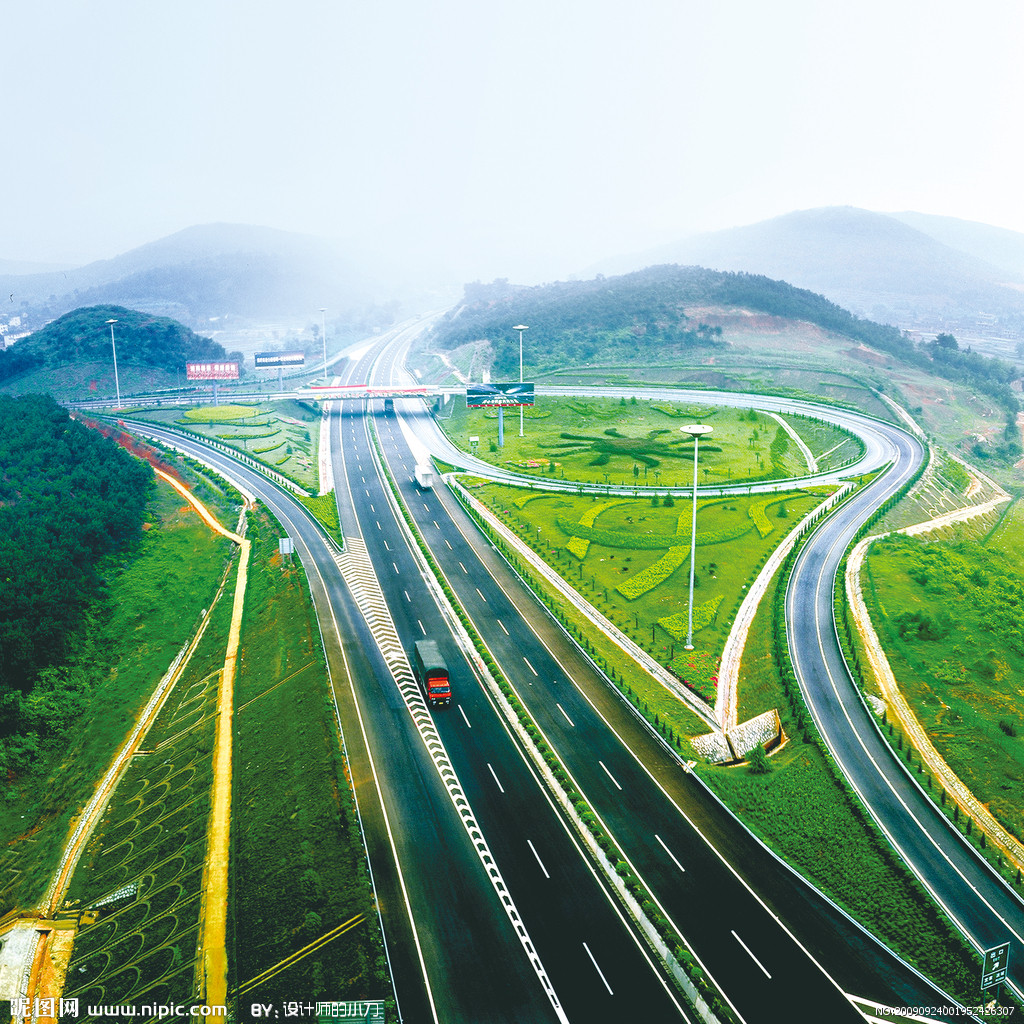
x=912, y=270
x=921, y=273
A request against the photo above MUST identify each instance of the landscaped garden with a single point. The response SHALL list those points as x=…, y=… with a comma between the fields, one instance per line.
x=284, y=436
x=629, y=557
x=638, y=442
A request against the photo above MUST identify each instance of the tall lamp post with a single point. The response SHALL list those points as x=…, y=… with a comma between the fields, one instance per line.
x=696, y=431
x=520, y=328
x=113, y=346
x=323, y=337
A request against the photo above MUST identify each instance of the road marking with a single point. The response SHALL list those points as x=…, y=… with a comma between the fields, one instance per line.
x=367, y=489
x=397, y=573
x=481, y=596
x=567, y=718
x=434, y=521
x=463, y=568
x=751, y=955
x=379, y=527
x=450, y=548
x=372, y=509
x=670, y=853
x=609, y=774
x=503, y=629
x=426, y=507
x=420, y=624
x=407, y=597
x=527, y=660
x=463, y=713
x=537, y=855
x=387, y=545
x=497, y=783
x=598, y=969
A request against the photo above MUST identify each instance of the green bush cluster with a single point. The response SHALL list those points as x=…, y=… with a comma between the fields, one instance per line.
x=654, y=575
x=704, y=614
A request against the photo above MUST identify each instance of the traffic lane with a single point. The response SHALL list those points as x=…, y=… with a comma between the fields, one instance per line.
x=576, y=911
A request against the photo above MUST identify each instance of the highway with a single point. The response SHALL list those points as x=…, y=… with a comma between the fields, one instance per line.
x=447, y=924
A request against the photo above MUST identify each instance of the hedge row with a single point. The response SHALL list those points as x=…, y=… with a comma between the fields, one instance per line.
x=654, y=575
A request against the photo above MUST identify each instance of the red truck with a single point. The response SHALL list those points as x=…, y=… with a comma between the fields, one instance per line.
x=431, y=672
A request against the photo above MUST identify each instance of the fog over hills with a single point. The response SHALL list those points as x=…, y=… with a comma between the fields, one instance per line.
x=908, y=269
x=207, y=272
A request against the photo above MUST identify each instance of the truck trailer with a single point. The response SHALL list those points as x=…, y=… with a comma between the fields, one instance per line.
x=424, y=475
x=431, y=672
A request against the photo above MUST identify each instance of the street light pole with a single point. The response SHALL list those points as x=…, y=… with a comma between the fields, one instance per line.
x=323, y=336
x=113, y=346
x=520, y=328
x=696, y=431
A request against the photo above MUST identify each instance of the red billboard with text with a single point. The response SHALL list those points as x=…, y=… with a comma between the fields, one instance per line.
x=211, y=371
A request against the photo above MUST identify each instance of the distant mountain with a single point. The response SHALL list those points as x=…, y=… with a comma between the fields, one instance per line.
x=893, y=268
x=999, y=247
x=214, y=270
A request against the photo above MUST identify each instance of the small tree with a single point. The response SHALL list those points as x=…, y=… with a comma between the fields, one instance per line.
x=758, y=761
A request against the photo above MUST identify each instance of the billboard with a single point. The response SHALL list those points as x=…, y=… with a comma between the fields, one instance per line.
x=484, y=396
x=211, y=371
x=280, y=359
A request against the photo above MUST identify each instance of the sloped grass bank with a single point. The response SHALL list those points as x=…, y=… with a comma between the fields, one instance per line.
x=948, y=614
x=298, y=865
x=151, y=608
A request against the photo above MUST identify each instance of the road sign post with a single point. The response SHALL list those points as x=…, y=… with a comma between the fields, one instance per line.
x=994, y=964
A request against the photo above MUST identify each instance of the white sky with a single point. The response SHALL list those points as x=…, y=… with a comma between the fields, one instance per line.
x=523, y=139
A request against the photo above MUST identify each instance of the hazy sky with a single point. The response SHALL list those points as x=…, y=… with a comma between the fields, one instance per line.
x=524, y=139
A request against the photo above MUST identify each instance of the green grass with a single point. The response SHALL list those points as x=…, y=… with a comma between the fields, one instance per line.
x=638, y=442
x=298, y=865
x=153, y=602
x=948, y=614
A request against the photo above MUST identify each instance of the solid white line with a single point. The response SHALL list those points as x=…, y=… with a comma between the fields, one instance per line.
x=503, y=629
x=751, y=955
x=609, y=774
x=463, y=713
x=670, y=853
x=482, y=598
x=497, y=783
x=527, y=660
x=567, y=718
x=539, y=861
x=598, y=969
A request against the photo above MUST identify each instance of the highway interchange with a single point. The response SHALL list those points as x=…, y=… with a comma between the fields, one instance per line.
x=566, y=950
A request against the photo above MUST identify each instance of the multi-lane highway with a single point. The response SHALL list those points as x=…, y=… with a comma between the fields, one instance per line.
x=565, y=951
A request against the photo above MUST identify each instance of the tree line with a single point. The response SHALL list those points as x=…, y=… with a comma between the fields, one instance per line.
x=70, y=500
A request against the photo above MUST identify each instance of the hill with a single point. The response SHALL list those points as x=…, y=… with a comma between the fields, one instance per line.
x=202, y=273
x=81, y=338
x=640, y=315
x=920, y=273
